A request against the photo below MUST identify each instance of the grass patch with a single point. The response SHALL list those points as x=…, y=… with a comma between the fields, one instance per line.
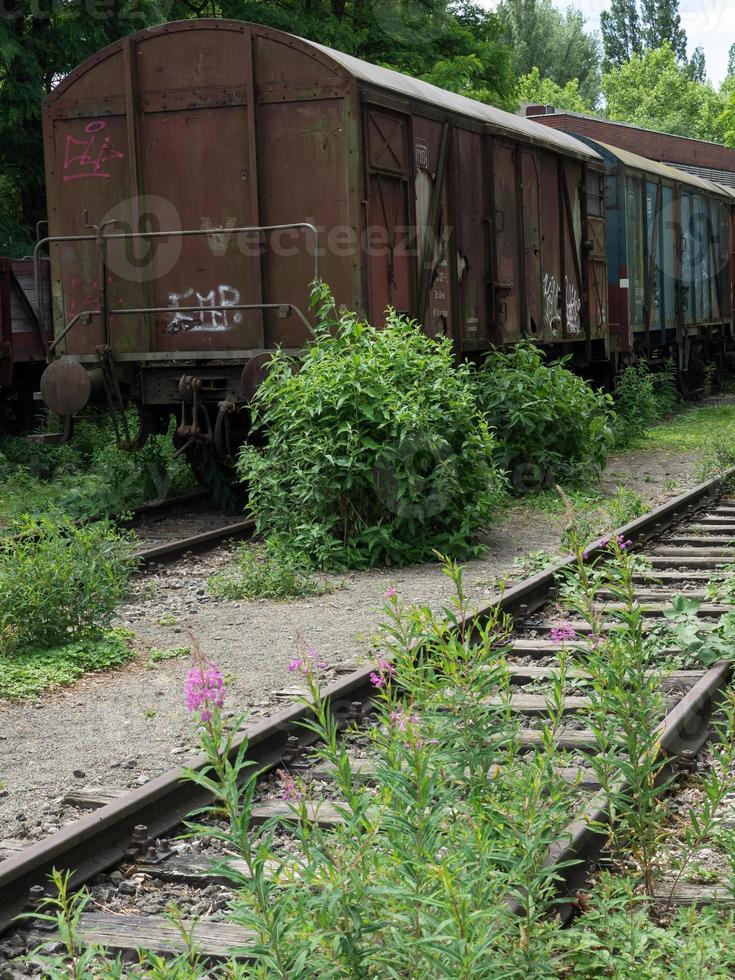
x=262, y=574
x=28, y=673
x=689, y=430
x=156, y=656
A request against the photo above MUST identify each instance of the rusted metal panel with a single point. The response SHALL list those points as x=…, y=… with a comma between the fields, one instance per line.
x=507, y=242
x=506, y=123
x=573, y=311
x=388, y=240
x=435, y=241
x=303, y=166
x=472, y=210
x=531, y=218
x=418, y=194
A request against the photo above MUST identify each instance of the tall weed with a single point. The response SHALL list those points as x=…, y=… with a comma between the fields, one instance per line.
x=642, y=398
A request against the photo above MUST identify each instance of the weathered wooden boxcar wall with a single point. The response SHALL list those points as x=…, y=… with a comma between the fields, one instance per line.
x=197, y=125
x=669, y=263
x=476, y=231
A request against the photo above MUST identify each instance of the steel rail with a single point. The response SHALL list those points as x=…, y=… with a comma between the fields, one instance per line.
x=101, y=839
x=195, y=542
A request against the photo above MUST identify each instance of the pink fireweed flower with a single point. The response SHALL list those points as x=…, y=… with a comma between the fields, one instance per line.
x=384, y=671
x=402, y=719
x=289, y=789
x=391, y=593
x=560, y=634
x=204, y=689
x=600, y=543
x=308, y=664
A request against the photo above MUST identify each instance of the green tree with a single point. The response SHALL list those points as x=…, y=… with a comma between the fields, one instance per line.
x=731, y=61
x=621, y=33
x=662, y=25
x=39, y=44
x=542, y=91
x=459, y=46
x=653, y=90
x=540, y=36
x=698, y=66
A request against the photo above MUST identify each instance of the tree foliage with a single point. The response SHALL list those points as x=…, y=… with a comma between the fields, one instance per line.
x=662, y=25
x=456, y=45
x=629, y=29
x=621, y=32
x=654, y=91
x=541, y=36
x=697, y=66
x=533, y=88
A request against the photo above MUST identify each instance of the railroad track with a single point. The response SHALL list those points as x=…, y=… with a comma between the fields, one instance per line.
x=685, y=541
x=192, y=528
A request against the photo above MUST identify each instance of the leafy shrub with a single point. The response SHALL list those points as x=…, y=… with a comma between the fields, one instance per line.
x=88, y=475
x=551, y=426
x=375, y=451
x=60, y=581
x=275, y=574
x=642, y=398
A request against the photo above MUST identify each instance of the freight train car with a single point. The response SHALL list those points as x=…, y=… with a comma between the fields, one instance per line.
x=669, y=263
x=22, y=342
x=200, y=174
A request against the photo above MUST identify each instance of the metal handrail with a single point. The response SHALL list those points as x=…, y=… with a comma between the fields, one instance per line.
x=180, y=309
x=186, y=233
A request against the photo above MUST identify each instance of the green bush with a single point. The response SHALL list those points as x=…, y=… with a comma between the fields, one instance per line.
x=375, y=452
x=551, y=426
x=274, y=574
x=88, y=475
x=642, y=398
x=60, y=582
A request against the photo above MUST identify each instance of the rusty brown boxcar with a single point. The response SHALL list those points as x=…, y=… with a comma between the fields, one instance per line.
x=22, y=343
x=201, y=173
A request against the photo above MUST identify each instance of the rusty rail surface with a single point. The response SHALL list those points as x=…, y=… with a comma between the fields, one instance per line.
x=99, y=840
x=196, y=542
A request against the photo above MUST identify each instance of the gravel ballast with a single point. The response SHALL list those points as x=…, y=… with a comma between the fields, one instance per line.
x=122, y=728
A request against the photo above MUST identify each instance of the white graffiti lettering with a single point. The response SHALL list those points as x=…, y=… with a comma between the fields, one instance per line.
x=205, y=319
x=552, y=320
x=574, y=306
x=552, y=300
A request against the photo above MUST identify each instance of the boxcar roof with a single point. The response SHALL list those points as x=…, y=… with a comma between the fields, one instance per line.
x=407, y=86
x=384, y=78
x=653, y=167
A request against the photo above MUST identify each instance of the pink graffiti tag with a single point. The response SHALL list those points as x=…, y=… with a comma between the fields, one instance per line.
x=91, y=154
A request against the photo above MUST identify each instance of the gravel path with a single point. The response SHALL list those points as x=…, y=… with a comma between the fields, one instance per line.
x=122, y=728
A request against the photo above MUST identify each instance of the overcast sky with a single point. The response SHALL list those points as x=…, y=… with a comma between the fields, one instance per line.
x=709, y=23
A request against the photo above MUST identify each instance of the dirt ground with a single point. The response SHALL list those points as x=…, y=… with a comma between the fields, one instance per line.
x=123, y=728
